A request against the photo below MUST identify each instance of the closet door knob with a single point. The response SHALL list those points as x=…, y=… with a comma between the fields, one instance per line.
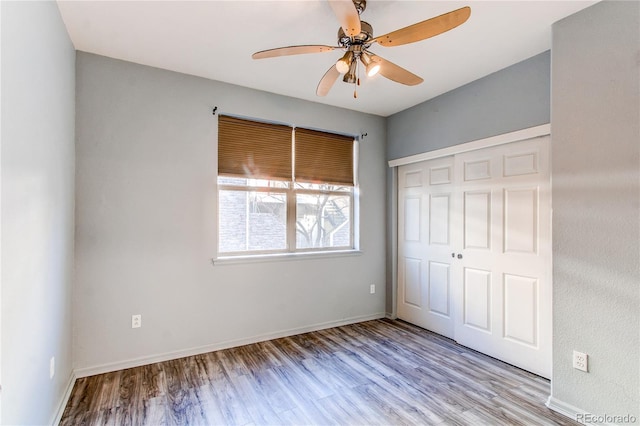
x=459, y=256
x=453, y=255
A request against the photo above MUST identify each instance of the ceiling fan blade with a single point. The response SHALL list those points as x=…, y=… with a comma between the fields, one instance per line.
x=396, y=73
x=292, y=50
x=347, y=15
x=327, y=81
x=425, y=29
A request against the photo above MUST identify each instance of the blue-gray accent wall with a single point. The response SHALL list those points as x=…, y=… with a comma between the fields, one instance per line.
x=511, y=99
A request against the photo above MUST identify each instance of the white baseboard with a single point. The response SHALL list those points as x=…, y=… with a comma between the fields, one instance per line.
x=65, y=399
x=137, y=362
x=584, y=417
x=390, y=316
x=563, y=408
x=574, y=413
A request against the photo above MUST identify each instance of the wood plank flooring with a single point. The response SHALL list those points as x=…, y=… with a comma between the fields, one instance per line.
x=380, y=372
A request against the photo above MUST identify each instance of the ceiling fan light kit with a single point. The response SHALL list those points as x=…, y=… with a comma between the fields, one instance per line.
x=355, y=37
x=351, y=75
x=344, y=63
x=372, y=65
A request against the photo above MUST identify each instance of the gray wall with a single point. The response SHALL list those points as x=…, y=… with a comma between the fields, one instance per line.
x=511, y=99
x=38, y=72
x=596, y=207
x=145, y=223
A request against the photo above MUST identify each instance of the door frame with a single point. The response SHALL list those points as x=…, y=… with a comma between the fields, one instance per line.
x=519, y=135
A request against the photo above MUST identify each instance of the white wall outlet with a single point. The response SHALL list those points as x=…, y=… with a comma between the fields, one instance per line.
x=372, y=288
x=580, y=361
x=136, y=321
x=52, y=367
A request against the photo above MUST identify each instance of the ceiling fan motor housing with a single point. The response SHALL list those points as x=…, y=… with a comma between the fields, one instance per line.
x=366, y=34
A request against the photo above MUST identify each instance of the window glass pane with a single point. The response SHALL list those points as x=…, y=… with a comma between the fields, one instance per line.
x=323, y=221
x=268, y=183
x=323, y=187
x=225, y=180
x=252, y=221
x=263, y=183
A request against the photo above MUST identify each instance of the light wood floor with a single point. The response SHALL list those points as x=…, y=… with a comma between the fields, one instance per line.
x=376, y=372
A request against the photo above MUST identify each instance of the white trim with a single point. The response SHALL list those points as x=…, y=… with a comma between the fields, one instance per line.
x=582, y=416
x=65, y=399
x=308, y=255
x=392, y=229
x=137, y=362
x=563, y=408
x=568, y=410
x=519, y=135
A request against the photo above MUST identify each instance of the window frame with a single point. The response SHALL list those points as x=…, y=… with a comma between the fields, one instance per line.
x=291, y=192
x=294, y=215
x=248, y=189
x=291, y=219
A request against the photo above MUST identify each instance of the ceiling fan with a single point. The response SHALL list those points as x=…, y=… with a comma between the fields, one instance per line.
x=356, y=36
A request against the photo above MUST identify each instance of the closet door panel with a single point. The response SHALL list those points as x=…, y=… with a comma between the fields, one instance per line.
x=521, y=220
x=476, y=304
x=511, y=204
x=440, y=288
x=477, y=220
x=521, y=309
x=424, y=249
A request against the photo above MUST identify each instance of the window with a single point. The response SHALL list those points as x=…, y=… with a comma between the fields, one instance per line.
x=283, y=190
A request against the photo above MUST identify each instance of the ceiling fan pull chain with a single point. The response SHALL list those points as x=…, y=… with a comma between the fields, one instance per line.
x=357, y=82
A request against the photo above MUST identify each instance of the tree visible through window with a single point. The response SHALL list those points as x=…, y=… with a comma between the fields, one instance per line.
x=283, y=190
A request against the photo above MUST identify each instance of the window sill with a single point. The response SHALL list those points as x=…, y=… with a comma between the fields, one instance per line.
x=233, y=260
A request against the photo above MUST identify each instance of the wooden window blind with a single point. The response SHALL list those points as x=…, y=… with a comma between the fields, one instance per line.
x=323, y=157
x=252, y=149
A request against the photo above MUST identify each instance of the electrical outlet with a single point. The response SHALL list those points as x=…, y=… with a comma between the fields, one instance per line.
x=372, y=288
x=136, y=321
x=52, y=367
x=580, y=361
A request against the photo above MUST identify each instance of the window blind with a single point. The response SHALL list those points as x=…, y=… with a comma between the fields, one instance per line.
x=323, y=157
x=252, y=149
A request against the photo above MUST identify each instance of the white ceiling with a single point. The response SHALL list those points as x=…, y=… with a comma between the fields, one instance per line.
x=215, y=40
